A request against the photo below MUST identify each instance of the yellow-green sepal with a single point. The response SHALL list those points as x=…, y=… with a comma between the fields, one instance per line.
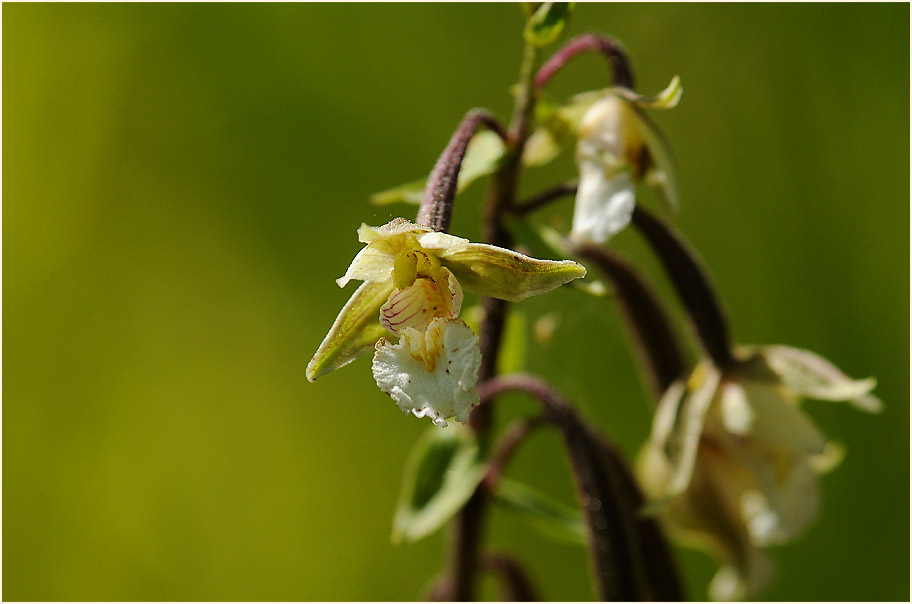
x=355, y=330
x=493, y=271
x=666, y=99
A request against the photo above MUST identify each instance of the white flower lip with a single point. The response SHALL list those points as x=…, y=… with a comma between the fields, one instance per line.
x=431, y=373
x=618, y=146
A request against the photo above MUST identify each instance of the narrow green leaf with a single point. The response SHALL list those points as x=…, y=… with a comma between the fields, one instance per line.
x=441, y=473
x=548, y=22
x=553, y=519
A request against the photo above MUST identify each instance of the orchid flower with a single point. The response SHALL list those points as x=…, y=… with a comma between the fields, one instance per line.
x=732, y=460
x=412, y=289
x=618, y=145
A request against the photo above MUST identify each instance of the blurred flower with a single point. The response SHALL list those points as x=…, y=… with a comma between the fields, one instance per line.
x=732, y=460
x=618, y=145
x=413, y=279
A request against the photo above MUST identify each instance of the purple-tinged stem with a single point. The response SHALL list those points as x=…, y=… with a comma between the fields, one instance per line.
x=692, y=284
x=609, y=47
x=630, y=558
x=650, y=327
x=467, y=526
x=437, y=204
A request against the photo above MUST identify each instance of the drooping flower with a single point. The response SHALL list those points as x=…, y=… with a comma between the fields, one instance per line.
x=412, y=289
x=617, y=146
x=732, y=460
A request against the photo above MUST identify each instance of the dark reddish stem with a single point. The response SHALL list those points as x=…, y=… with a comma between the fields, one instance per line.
x=437, y=205
x=609, y=47
x=630, y=557
x=692, y=284
x=651, y=329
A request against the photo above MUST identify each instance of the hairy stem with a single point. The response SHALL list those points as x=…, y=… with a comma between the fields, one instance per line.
x=692, y=284
x=683, y=268
x=437, y=204
x=651, y=330
x=609, y=47
x=630, y=558
x=468, y=523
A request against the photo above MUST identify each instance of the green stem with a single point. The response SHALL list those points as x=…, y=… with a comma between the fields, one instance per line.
x=501, y=196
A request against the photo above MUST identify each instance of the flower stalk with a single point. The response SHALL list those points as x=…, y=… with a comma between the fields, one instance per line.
x=467, y=527
x=651, y=329
x=630, y=559
x=437, y=204
x=692, y=284
x=610, y=48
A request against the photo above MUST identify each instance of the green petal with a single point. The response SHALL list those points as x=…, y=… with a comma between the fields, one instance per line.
x=572, y=112
x=355, y=330
x=493, y=271
x=667, y=99
x=441, y=473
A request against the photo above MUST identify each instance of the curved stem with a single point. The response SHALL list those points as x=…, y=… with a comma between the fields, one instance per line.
x=630, y=558
x=609, y=47
x=437, y=204
x=692, y=284
x=657, y=341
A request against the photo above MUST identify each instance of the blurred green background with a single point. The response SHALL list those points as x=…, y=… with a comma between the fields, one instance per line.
x=183, y=183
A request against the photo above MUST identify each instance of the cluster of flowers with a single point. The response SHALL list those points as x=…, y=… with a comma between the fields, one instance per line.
x=731, y=463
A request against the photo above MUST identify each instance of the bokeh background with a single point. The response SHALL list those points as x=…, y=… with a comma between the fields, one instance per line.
x=183, y=183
